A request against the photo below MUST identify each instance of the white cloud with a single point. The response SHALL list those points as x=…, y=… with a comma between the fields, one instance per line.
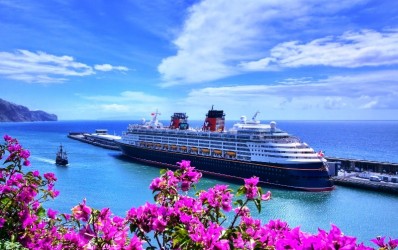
x=127, y=96
x=108, y=67
x=216, y=35
x=115, y=108
x=350, y=50
x=40, y=67
x=372, y=90
x=220, y=34
x=131, y=104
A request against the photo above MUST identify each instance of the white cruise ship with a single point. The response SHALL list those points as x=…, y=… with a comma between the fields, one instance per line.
x=248, y=149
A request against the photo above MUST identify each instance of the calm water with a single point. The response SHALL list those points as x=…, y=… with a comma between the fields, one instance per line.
x=106, y=179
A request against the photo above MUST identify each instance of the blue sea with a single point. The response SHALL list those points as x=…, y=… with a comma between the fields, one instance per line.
x=106, y=179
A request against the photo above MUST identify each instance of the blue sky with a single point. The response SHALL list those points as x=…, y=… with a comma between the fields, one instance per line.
x=290, y=60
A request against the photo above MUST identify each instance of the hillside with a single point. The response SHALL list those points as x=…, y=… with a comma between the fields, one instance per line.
x=10, y=112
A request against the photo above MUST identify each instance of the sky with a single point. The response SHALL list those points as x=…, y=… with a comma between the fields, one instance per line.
x=123, y=60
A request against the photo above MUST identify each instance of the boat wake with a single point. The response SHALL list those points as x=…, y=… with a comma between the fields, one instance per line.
x=41, y=159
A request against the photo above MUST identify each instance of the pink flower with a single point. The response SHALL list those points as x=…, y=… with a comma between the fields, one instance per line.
x=24, y=153
x=393, y=243
x=242, y=211
x=51, y=213
x=251, y=187
x=81, y=211
x=379, y=241
x=135, y=244
x=35, y=205
x=266, y=197
x=50, y=177
x=157, y=184
x=7, y=138
x=217, y=197
x=184, y=164
x=2, y=221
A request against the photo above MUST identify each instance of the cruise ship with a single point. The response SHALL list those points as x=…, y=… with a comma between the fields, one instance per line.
x=248, y=149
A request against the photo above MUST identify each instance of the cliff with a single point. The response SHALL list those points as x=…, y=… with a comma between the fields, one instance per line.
x=10, y=112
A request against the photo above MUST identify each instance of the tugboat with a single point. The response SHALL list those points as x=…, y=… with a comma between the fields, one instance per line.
x=62, y=158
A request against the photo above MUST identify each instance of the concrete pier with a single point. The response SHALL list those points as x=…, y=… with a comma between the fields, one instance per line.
x=387, y=187
x=369, y=175
x=100, y=140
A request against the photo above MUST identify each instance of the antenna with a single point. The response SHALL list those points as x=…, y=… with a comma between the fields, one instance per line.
x=255, y=115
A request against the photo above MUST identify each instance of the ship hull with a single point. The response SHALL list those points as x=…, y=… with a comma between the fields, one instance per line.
x=300, y=176
x=62, y=162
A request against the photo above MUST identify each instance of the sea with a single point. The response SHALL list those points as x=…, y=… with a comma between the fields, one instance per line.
x=107, y=179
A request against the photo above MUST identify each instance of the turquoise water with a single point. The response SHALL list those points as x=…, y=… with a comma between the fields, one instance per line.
x=106, y=179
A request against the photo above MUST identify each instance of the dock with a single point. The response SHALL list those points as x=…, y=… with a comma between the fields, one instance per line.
x=386, y=187
x=100, y=138
x=365, y=165
x=364, y=174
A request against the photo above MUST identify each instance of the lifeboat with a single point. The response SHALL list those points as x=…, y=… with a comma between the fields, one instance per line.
x=158, y=145
x=174, y=147
x=183, y=148
x=165, y=146
x=231, y=153
x=205, y=150
x=149, y=144
x=217, y=151
x=193, y=149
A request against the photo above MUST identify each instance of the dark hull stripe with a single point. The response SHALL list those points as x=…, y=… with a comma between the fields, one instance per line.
x=308, y=177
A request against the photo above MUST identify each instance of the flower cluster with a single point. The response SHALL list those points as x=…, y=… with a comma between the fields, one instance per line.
x=210, y=219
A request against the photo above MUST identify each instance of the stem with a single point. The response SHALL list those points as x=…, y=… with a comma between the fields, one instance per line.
x=237, y=214
x=158, y=241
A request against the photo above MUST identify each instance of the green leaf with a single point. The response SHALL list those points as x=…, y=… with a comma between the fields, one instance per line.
x=133, y=227
x=241, y=191
x=239, y=202
x=180, y=237
x=41, y=212
x=8, y=245
x=5, y=200
x=163, y=171
x=258, y=205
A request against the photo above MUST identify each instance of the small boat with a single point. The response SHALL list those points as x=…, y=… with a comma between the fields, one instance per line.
x=61, y=158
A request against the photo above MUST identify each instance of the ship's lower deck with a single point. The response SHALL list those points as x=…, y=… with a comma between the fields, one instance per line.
x=301, y=176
